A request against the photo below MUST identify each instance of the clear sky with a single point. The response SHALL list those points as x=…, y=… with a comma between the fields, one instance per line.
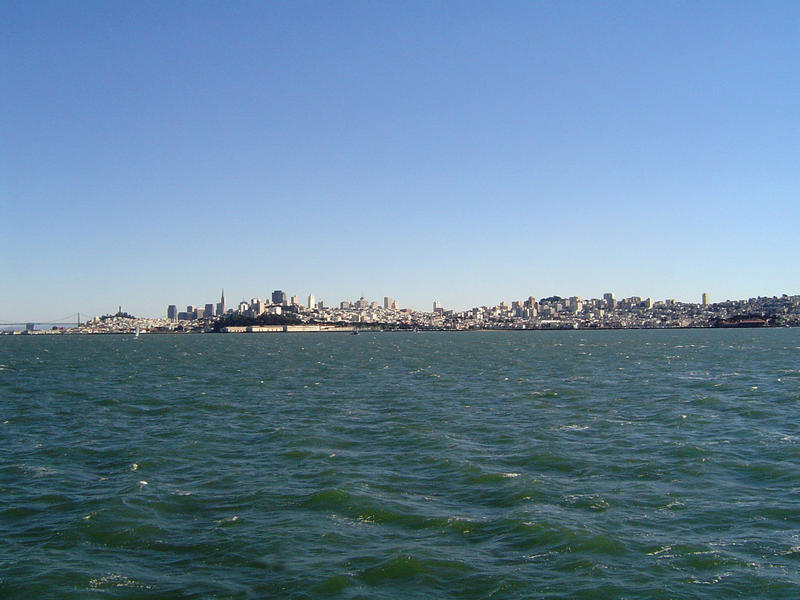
x=466, y=152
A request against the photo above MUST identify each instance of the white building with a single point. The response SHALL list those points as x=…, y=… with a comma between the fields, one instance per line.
x=258, y=306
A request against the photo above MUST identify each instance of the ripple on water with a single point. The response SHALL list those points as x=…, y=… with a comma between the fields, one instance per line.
x=505, y=464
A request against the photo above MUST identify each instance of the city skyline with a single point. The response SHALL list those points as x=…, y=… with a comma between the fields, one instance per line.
x=280, y=314
x=302, y=300
x=312, y=301
x=461, y=153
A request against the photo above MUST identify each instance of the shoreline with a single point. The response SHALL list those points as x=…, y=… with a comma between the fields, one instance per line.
x=372, y=329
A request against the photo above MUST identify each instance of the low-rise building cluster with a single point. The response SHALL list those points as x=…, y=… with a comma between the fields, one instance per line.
x=629, y=313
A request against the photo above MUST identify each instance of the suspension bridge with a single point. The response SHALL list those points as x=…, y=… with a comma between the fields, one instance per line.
x=72, y=320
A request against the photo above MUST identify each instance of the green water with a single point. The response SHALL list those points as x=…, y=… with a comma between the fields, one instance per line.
x=633, y=464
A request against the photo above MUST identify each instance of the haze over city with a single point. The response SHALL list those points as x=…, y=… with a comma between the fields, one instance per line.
x=468, y=153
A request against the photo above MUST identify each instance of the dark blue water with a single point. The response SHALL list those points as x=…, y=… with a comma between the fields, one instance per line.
x=632, y=464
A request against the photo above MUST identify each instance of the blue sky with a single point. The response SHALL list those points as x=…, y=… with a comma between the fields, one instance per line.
x=468, y=152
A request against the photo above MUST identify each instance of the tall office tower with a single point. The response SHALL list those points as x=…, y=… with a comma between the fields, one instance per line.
x=221, y=304
x=199, y=313
x=362, y=303
x=311, y=301
x=172, y=312
x=648, y=303
x=295, y=300
x=437, y=307
x=279, y=297
x=609, y=298
x=189, y=308
x=209, y=311
x=395, y=305
x=529, y=302
x=387, y=302
x=575, y=304
x=705, y=298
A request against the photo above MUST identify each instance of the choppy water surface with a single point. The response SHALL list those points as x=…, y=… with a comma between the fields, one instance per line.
x=637, y=464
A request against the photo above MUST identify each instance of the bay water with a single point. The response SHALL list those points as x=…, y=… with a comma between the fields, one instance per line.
x=544, y=464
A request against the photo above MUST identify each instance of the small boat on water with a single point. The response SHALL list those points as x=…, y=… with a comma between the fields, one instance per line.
x=354, y=332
